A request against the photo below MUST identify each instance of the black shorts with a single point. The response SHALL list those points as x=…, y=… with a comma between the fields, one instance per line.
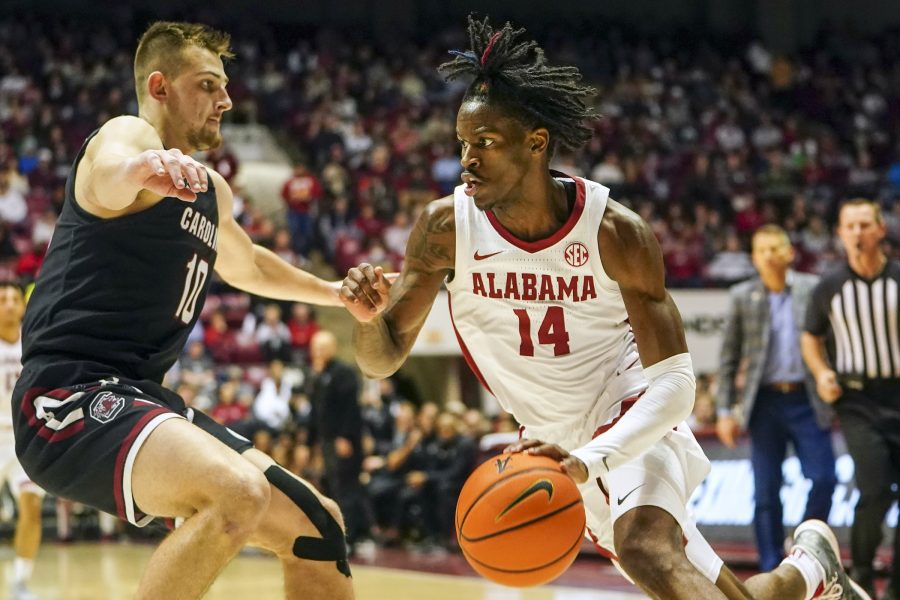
x=80, y=442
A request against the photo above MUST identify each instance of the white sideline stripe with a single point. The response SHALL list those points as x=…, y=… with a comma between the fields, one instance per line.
x=129, y=465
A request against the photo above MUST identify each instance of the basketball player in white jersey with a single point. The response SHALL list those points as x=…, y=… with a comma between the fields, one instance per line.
x=559, y=303
x=28, y=495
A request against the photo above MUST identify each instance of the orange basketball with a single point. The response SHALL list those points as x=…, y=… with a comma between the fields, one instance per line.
x=520, y=520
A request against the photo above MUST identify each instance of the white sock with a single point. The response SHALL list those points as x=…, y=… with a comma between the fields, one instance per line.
x=22, y=568
x=810, y=569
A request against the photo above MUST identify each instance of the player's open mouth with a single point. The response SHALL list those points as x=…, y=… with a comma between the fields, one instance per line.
x=471, y=184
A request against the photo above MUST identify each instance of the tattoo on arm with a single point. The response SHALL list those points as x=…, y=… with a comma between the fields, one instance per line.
x=383, y=344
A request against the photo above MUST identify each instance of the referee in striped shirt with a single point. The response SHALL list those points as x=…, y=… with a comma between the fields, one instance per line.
x=854, y=313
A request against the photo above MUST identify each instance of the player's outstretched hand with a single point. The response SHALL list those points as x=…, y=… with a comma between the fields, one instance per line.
x=365, y=291
x=576, y=469
x=170, y=173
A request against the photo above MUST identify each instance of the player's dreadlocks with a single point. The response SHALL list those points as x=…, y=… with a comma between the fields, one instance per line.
x=516, y=75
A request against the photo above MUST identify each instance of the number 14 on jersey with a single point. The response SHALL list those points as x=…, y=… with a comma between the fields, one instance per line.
x=552, y=331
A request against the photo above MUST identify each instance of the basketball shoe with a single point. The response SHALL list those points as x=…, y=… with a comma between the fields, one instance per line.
x=817, y=540
x=19, y=591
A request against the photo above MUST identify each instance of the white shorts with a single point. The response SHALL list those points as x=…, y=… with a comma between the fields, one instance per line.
x=664, y=476
x=11, y=470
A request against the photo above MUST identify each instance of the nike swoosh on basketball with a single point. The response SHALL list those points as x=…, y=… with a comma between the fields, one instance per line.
x=541, y=485
x=622, y=499
x=484, y=256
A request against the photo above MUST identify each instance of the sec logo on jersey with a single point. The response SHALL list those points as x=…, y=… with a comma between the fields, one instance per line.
x=576, y=254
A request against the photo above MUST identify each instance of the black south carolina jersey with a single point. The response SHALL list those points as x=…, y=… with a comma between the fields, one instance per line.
x=118, y=297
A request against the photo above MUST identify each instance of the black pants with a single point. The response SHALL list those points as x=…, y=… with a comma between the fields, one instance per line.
x=870, y=421
x=342, y=481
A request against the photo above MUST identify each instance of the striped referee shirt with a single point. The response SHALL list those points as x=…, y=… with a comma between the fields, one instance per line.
x=858, y=319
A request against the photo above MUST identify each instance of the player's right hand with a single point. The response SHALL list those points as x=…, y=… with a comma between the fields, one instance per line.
x=170, y=173
x=365, y=292
x=828, y=387
x=727, y=429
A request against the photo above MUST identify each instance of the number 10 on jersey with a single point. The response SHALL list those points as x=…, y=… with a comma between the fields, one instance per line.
x=552, y=331
x=197, y=272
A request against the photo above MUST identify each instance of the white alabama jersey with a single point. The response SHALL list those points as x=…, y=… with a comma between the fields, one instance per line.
x=541, y=323
x=10, y=369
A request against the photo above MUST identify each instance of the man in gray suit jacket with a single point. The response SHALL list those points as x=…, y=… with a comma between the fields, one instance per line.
x=778, y=403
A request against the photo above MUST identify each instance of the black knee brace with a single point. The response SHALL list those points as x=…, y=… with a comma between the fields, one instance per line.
x=332, y=545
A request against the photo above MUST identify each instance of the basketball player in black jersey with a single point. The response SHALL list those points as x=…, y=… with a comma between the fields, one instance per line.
x=142, y=228
x=515, y=111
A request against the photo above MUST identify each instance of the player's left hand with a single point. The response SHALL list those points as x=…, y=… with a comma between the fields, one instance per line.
x=571, y=465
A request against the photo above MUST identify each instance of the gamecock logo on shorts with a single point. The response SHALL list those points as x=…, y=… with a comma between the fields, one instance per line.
x=576, y=254
x=106, y=406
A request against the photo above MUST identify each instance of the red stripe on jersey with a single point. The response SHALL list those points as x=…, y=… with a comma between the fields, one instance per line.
x=603, y=490
x=28, y=404
x=627, y=403
x=118, y=490
x=563, y=231
x=603, y=551
x=52, y=435
x=462, y=346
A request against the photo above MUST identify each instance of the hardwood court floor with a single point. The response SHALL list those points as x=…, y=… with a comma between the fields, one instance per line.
x=112, y=571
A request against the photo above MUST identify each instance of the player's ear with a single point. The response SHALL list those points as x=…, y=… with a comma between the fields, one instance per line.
x=539, y=140
x=157, y=86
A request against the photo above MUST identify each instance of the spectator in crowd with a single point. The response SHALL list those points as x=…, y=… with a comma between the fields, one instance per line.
x=29, y=263
x=42, y=229
x=302, y=326
x=197, y=367
x=730, y=264
x=779, y=403
x=397, y=233
x=219, y=338
x=282, y=245
x=301, y=192
x=272, y=407
x=273, y=335
x=449, y=458
x=387, y=471
x=13, y=208
x=7, y=248
x=377, y=418
x=223, y=161
x=227, y=409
